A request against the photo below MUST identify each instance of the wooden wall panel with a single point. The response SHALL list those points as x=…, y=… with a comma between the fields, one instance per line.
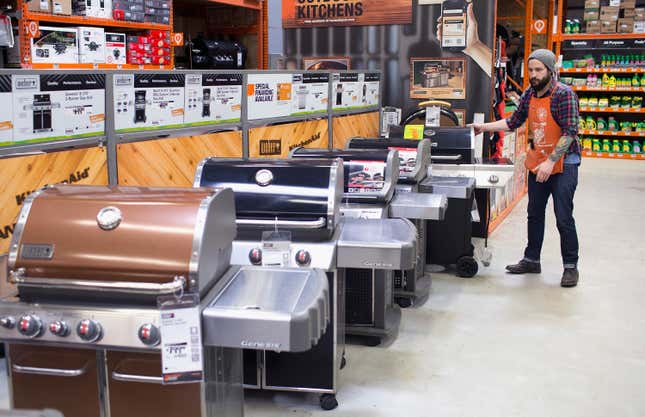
x=19, y=176
x=276, y=141
x=172, y=162
x=347, y=127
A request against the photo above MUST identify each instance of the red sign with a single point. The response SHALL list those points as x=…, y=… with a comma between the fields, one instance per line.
x=309, y=13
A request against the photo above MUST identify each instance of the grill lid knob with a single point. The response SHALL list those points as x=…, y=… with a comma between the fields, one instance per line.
x=30, y=325
x=263, y=177
x=303, y=257
x=255, y=256
x=8, y=322
x=89, y=330
x=109, y=218
x=149, y=334
x=59, y=328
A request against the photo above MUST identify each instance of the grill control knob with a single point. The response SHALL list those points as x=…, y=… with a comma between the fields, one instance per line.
x=30, y=325
x=89, y=330
x=8, y=322
x=255, y=256
x=149, y=334
x=59, y=328
x=303, y=258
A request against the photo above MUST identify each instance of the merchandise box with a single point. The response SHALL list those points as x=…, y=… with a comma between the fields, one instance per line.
x=591, y=14
x=93, y=8
x=42, y=6
x=609, y=13
x=592, y=26
x=148, y=101
x=58, y=106
x=627, y=4
x=629, y=12
x=55, y=46
x=607, y=26
x=213, y=98
x=6, y=110
x=115, y=52
x=639, y=13
x=626, y=25
x=63, y=7
x=592, y=4
x=639, y=26
x=91, y=45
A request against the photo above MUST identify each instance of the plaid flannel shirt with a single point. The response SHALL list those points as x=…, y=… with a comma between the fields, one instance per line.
x=564, y=109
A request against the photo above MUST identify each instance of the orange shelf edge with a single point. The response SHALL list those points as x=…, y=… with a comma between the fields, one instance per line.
x=612, y=155
x=610, y=133
x=609, y=90
x=501, y=216
x=98, y=66
x=631, y=70
x=248, y=4
x=630, y=111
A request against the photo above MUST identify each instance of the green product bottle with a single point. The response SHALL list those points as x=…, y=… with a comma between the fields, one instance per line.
x=606, y=145
x=636, y=82
x=567, y=26
x=636, y=147
x=640, y=127
x=615, y=146
x=612, y=124
x=596, y=146
x=612, y=81
x=601, y=124
x=581, y=124
x=627, y=146
x=626, y=102
x=643, y=81
x=605, y=80
x=590, y=123
x=637, y=102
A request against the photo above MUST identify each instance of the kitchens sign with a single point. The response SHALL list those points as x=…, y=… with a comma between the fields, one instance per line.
x=310, y=13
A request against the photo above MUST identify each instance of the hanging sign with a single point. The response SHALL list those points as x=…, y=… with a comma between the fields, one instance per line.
x=538, y=27
x=309, y=13
x=177, y=39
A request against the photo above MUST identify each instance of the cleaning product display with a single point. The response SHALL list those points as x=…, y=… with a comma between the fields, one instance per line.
x=607, y=61
x=606, y=81
x=610, y=124
x=625, y=146
x=615, y=102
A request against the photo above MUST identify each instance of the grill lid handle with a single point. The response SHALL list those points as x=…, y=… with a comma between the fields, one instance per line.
x=292, y=224
x=49, y=371
x=118, y=376
x=176, y=285
x=446, y=157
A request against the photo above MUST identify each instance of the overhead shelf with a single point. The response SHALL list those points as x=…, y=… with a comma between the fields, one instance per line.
x=610, y=110
x=612, y=133
x=92, y=21
x=99, y=66
x=610, y=90
x=611, y=155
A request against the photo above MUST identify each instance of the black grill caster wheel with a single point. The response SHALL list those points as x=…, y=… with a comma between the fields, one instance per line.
x=372, y=341
x=328, y=402
x=467, y=267
x=343, y=362
x=403, y=302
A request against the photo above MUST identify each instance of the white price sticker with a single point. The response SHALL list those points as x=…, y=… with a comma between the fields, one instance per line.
x=181, y=339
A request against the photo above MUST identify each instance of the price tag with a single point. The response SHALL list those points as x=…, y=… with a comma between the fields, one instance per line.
x=276, y=248
x=181, y=340
x=370, y=214
x=433, y=116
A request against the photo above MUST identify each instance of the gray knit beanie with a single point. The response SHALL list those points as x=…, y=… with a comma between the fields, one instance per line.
x=544, y=56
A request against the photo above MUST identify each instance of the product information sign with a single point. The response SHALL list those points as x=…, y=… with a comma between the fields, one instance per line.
x=212, y=98
x=371, y=89
x=6, y=110
x=269, y=95
x=57, y=106
x=310, y=93
x=407, y=159
x=365, y=176
x=148, y=101
x=309, y=13
x=352, y=90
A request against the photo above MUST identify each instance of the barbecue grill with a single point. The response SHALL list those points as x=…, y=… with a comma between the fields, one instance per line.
x=369, y=192
x=288, y=213
x=89, y=265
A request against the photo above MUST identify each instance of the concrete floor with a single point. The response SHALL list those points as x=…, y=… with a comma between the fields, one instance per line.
x=506, y=346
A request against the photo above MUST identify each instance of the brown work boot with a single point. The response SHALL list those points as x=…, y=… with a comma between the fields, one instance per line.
x=524, y=267
x=569, y=277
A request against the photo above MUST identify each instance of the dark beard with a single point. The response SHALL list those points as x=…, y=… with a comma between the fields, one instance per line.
x=541, y=84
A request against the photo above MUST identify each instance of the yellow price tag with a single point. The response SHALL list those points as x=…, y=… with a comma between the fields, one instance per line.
x=413, y=132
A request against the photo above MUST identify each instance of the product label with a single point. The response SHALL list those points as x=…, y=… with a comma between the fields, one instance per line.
x=269, y=95
x=407, y=159
x=310, y=93
x=213, y=98
x=365, y=176
x=350, y=91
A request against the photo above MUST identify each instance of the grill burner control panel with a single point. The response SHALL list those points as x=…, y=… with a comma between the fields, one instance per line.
x=320, y=255
x=134, y=328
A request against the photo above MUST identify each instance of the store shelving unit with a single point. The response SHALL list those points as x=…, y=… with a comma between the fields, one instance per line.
x=599, y=44
x=29, y=22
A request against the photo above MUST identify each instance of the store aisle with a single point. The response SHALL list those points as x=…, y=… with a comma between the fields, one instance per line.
x=508, y=346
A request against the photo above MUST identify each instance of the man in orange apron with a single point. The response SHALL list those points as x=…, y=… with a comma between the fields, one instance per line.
x=553, y=157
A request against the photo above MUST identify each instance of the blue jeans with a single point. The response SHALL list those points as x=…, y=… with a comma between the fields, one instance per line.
x=562, y=187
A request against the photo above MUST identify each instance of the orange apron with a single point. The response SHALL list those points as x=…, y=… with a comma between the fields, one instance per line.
x=545, y=133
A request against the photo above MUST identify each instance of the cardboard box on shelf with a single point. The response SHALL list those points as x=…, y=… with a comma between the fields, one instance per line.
x=42, y=6
x=639, y=13
x=63, y=7
x=55, y=46
x=592, y=26
x=91, y=45
x=609, y=12
x=626, y=25
x=592, y=4
x=607, y=26
x=626, y=4
x=639, y=26
x=115, y=48
x=629, y=12
x=591, y=14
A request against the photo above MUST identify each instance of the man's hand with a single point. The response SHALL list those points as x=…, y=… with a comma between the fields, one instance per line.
x=477, y=127
x=543, y=171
